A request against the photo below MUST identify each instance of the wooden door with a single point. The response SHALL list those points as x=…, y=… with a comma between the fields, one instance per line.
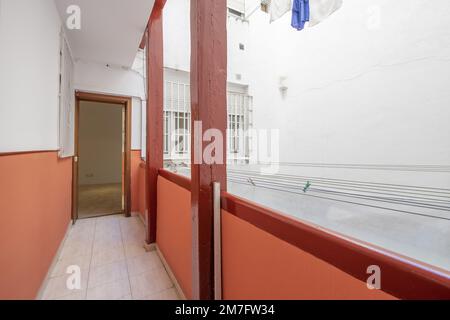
x=75, y=167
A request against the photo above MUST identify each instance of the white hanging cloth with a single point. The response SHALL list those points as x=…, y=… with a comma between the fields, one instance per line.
x=319, y=10
x=279, y=8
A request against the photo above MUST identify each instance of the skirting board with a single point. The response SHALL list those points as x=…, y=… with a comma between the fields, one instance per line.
x=135, y=213
x=171, y=275
x=163, y=260
x=40, y=294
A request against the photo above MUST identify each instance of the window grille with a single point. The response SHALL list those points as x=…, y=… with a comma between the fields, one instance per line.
x=238, y=124
x=177, y=119
x=177, y=122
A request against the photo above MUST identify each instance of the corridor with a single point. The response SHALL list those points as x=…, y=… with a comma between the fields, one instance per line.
x=114, y=265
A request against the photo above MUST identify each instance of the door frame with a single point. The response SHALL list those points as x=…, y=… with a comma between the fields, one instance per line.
x=105, y=98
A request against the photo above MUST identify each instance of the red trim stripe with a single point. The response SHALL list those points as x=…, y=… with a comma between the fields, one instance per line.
x=15, y=153
x=400, y=276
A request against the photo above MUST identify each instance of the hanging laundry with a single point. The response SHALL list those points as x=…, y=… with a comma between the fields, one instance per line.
x=279, y=8
x=300, y=14
x=322, y=9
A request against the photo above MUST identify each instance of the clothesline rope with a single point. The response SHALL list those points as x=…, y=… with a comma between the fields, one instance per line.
x=301, y=193
x=303, y=11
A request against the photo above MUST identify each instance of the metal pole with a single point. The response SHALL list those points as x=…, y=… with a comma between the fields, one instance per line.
x=217, y=243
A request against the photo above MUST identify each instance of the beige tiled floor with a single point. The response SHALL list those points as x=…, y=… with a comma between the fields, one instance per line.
x=113, y=263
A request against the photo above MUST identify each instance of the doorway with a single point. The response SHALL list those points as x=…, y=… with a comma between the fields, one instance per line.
x=101, y=166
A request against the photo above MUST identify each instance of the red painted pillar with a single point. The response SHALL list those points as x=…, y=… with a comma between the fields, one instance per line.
x=208, y=98
x=155, y=100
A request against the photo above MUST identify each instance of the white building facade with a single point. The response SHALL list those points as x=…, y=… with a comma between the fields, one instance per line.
x=343, y=92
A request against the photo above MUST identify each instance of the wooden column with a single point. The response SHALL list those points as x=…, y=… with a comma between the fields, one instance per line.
x=155, y=100
x=208, y=98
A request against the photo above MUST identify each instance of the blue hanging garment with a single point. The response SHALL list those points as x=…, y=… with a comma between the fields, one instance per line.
x=300, y=14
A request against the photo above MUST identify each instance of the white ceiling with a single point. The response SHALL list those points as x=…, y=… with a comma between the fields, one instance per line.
x=111, y=30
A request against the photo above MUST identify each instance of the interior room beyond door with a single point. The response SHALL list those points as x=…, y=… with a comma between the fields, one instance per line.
x=101, y=144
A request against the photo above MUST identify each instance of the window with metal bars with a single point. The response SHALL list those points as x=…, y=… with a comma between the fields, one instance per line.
x=238, y=123
x=166, y=131
x=177, y=134
x=181, y=133
x=235, y=133
x=177, y=121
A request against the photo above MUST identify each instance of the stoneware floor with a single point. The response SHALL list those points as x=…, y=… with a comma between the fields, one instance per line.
x=114, y=265
x=98, y=200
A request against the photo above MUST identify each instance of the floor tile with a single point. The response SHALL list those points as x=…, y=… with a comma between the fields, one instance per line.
x=107, y=245
x=106, y=230
x=170, y=294
x=80, y=227
x=57, y=287
x=107, y=273
x=109, y=250
x=143, y=263
x=133, y=238
x=80, y=236
x=111, y=291
x=75, y=250
x=134, y=250
x=61, y=266
x=79, y=295
x=107, y=256
x=149, y=283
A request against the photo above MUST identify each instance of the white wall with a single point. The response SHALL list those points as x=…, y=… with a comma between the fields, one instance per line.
x=100, y=143
x=177, y=41
x=29, y=69
x=357, y=94
x=239, y=60
x=29, y=64
x=177, y=35
x=136, y=124
x=95, y=77
x=90, y=76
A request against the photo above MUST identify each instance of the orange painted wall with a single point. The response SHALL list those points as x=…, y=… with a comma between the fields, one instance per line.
x=135, y=183
x=174, y=235
x=35, y=211
x=257, y=265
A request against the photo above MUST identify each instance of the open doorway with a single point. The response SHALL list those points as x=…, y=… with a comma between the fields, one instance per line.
x=101, y=171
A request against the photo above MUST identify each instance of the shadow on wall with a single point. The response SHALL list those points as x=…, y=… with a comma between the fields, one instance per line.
x=35, y=212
